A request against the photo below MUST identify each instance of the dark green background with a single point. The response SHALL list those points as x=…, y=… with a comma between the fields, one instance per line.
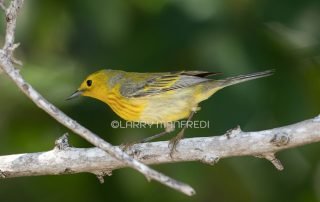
x=63, y=41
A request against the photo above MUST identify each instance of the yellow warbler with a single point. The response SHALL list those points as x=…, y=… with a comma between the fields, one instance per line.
x=156, y=98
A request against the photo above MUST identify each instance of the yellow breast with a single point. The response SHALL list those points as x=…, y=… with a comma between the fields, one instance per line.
x=128, y=109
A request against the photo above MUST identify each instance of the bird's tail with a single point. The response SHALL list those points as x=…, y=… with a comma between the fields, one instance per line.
x=242, y=78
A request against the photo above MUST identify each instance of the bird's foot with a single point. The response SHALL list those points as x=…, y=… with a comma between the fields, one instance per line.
x=174, y=142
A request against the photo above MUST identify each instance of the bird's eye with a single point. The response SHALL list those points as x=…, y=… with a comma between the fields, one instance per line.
x=89, y=83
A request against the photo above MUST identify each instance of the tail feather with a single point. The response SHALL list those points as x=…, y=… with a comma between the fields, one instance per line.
x=242, y=78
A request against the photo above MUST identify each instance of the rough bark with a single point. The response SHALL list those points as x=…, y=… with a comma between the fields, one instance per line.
x=65, y=160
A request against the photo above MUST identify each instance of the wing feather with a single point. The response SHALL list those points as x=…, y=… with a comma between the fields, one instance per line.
x=160, y=83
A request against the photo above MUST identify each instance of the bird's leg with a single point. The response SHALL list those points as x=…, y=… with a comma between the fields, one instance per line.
x=169, y=127
x=174, y=141
x=147, y=139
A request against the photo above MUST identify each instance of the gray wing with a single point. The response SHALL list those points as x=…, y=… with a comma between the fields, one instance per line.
x=155, y=84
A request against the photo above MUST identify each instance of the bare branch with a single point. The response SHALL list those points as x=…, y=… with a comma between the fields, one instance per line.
x=204, y=149
x=276, y=162
x=6, y=63
x=2, y=6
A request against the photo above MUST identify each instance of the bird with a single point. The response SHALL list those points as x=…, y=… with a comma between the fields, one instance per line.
x=157, y=97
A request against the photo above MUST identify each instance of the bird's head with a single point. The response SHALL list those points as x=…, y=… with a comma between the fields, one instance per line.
x=95, y=85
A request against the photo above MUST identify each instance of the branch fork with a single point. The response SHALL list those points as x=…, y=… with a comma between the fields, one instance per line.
x=263, y=144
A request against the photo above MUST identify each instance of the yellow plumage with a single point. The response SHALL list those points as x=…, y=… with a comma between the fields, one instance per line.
x=156, y=97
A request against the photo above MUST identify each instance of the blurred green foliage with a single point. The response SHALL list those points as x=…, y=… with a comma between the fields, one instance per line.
x=63, y=41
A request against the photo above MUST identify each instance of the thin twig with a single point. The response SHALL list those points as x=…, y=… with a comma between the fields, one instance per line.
x=208, y=150
x=2, y=6
x=7, y=66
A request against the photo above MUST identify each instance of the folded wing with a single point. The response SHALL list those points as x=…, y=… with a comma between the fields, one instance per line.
x=159, y=83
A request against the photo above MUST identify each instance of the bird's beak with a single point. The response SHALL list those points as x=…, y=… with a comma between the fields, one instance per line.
x=75, y=94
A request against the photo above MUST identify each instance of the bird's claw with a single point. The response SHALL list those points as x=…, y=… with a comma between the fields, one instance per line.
x=173, y=143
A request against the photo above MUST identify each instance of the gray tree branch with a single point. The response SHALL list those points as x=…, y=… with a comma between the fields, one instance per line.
x=66, y=160
x=6, y=63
